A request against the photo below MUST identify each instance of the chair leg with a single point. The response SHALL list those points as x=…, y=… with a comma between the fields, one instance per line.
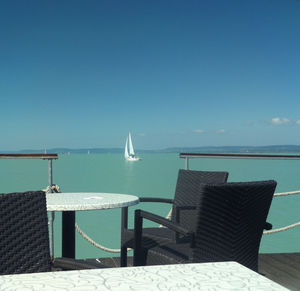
x=124, y=227
x=123, y=260
x=137, y=251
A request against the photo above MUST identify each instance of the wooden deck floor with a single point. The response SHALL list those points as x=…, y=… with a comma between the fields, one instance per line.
x=283, y=269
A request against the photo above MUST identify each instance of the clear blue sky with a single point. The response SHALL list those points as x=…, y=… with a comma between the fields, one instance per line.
x=174, y=73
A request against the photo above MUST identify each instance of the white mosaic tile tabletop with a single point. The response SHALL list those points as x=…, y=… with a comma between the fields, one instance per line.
x=208, y=276
x=88, y=201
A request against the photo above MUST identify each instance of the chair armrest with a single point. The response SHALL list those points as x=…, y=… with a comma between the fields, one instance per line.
x=138, y=230
x=154, y=199
x=161, y=220
x=124, y=223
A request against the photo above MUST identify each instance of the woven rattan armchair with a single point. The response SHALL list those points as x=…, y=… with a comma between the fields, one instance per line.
x=183, y=211
x=229, y=226
x=24, y=240
x=24, y=236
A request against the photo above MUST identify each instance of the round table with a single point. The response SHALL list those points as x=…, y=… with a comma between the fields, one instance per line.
x=81, y=201
x=88, y=201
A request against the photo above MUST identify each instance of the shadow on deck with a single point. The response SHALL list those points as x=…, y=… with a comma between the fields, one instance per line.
x=283, y=269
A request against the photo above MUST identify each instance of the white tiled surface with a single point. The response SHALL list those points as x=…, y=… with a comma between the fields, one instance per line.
x=208, y=276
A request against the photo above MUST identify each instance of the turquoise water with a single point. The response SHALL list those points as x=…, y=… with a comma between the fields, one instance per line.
x=154, y=176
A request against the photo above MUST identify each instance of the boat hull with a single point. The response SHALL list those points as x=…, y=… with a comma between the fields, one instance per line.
x=133, y=159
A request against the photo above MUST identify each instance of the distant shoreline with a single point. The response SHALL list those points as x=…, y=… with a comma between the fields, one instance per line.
x=203, y=149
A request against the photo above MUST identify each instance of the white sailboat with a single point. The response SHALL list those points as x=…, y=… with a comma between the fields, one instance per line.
x=129, y=151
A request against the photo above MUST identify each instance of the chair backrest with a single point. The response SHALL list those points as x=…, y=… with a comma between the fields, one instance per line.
x=187, y=192
x=230, y=222
x=24, y=240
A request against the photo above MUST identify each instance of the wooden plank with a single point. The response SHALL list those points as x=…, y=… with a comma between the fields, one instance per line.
x=283, y=269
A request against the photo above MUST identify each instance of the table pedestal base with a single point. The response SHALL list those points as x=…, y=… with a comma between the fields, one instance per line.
x=68, y=234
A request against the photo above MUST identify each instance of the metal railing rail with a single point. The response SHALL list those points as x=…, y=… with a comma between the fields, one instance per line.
x=48, y=157
x=188, y=156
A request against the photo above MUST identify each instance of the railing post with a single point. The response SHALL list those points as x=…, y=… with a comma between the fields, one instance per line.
x=51, y=215
x=50, y=176
x=187, y=163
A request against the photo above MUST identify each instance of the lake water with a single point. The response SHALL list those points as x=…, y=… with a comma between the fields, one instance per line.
x=154, y=176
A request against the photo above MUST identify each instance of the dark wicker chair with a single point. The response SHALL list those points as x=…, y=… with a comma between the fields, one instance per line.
x=24, y=236
x=183, y=211
x=24, y=240
x=230, y=222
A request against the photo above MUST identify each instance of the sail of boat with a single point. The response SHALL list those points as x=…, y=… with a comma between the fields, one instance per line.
x=129, y=153
x=126, y=154
x=131, y=150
